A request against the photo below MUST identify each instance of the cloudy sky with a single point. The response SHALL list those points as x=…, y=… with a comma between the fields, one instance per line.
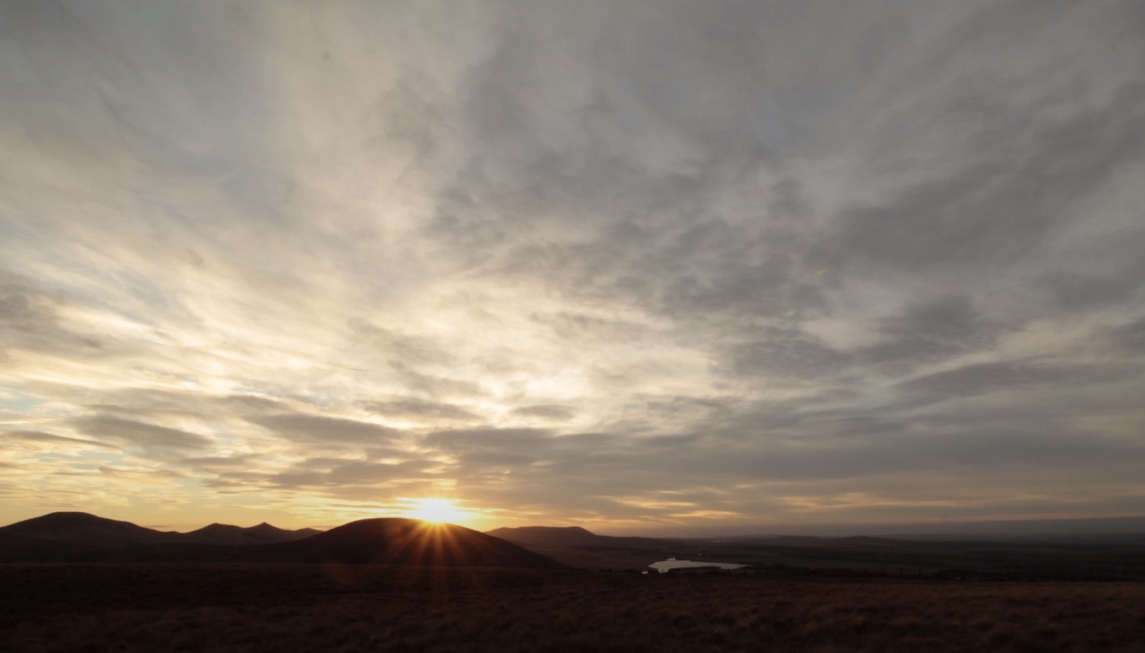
x=646, y=267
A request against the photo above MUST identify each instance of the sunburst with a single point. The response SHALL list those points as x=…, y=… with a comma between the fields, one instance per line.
x=437, y=511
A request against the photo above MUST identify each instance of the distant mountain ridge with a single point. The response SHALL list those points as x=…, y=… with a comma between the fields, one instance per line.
x=569, y=536
x=84, y=529
x=409, y=541
x=263, y=533
x=81, y=528
x=548, y=535
x=579, y=547
x=81, y=537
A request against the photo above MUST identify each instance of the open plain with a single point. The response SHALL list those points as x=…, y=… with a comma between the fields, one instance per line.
x=223, y=607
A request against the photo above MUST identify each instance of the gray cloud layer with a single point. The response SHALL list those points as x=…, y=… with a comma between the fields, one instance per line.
x=638, y=266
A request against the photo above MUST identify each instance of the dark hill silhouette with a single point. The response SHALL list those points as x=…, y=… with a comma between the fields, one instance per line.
x=80, y=537
x=409, y=541
x=281, y=534
x=578, y=547
x=264, y=533
x=87, y=531
x=567, y=535
x=390, y=541
x=70, y=536
x=572, y=536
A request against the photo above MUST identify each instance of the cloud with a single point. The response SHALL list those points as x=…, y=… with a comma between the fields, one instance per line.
x=644, y=266
x=320, y=429
x=995, y=378
x=50, y=438
x=30, y=320
x=418, y=409
x=486, y=438
x=934, y=329
x=141, y=434
x=546, y=411
x=1130, y=337
x=219, y=462
x=784, y=353
x=315, y=473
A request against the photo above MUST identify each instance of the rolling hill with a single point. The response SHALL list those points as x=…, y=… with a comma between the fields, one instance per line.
x=409, y=542
x=75, y=536
x=80, y=537
x=264, y=533
x=578, y=547
x=86, y=531
x=550, y=535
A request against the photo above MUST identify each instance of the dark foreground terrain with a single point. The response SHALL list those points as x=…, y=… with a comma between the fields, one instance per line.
x=224, y=607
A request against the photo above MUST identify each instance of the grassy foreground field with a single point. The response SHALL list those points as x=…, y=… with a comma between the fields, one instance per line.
x=317, y=608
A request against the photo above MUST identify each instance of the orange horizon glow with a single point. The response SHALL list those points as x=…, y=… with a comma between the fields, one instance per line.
x=436, y=511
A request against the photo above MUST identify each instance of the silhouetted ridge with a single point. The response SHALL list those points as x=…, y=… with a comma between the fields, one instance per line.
x=409, y=542
x=78, y=537
x=87, y=530
x=566, y=535
x=264, y=533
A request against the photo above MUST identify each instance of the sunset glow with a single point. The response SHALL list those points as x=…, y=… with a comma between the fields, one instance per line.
x=377, y=325
x=437, y=511
x=654, y=267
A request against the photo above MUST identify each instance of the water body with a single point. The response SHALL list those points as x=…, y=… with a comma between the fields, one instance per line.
x=664, y=565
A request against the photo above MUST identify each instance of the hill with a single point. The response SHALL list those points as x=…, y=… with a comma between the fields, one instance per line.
x=555, y=535
x=71, y=536
x=388, y=541
x=578, y=547
x=264, y=533
x=410, y=542
x=85, y=531
x=60, y=537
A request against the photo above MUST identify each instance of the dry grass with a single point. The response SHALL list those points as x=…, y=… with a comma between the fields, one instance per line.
x=301, y=608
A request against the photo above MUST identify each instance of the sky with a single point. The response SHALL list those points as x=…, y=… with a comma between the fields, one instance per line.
x=643, y=267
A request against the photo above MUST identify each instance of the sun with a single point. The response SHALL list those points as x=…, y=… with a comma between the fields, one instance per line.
x=435, y=510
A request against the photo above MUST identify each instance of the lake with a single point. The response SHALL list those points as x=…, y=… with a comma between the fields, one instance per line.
x=664, y=565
